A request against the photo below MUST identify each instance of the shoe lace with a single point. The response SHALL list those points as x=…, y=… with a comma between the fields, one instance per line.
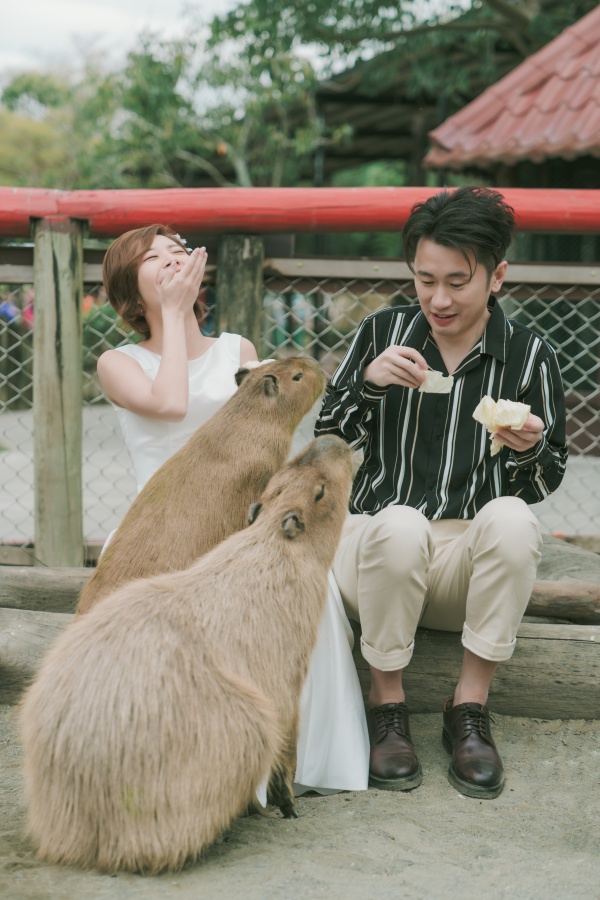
x=391, y=719
x=475, y=719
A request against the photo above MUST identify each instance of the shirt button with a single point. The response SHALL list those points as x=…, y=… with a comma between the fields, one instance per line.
x=438, y=437
x=432, y=485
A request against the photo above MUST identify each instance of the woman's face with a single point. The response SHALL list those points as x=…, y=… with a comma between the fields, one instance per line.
x=156, y=261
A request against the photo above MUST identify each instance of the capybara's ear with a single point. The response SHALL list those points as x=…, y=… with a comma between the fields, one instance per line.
x=292, y=524
x=254, y=510
x=271, y=385
x=240, y=375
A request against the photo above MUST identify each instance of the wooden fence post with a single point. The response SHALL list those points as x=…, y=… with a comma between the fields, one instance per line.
x=57, y=391
x=240, y=287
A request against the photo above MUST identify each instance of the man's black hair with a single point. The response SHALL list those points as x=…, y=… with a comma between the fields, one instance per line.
x=468, y=219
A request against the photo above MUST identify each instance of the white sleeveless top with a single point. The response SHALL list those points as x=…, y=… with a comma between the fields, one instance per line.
x=150, y=442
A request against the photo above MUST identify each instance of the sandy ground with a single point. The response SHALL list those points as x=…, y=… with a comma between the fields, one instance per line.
x=539, y=839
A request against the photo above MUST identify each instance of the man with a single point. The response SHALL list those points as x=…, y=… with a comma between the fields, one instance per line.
x=440, y=533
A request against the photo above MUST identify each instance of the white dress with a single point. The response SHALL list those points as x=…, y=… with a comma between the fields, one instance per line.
x=333, y=745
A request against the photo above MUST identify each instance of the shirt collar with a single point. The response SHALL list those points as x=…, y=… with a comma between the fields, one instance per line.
x=494, y=340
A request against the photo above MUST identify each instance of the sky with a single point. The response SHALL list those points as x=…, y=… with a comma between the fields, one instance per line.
x=39, y=33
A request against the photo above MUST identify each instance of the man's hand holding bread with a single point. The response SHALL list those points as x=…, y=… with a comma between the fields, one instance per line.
x=510, y=424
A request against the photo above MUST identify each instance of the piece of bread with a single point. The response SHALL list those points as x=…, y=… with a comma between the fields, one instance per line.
x=436, y=383
x=500, y=414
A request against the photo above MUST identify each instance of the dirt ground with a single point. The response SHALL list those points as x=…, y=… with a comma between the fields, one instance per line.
x=539, y=839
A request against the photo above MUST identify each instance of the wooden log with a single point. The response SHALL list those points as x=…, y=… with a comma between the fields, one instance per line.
x=553, y=674
x=57, y=386
x=564, y=560
x=561, y=557
x=590, y=542
x=576, y=600
x=25, y=637
x=24, y=555
x=37, y=588
x=57, y=589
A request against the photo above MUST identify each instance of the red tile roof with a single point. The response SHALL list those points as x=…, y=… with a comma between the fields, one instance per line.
x=547, y=106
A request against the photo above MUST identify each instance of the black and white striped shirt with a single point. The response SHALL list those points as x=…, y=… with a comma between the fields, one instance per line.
x=426, y=450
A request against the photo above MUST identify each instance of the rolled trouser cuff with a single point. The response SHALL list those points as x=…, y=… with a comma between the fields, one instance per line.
x=389, y=661
x=486, y=649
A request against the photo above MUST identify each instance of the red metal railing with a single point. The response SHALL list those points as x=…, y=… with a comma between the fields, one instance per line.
x=262, y=210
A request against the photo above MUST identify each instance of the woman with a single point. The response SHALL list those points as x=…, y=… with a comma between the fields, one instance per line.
x=172, y=382
x=166, y=387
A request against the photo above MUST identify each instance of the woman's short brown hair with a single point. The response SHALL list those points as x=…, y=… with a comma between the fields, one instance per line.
x=120, y=270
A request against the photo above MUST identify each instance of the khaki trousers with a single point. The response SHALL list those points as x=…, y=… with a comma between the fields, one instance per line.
x=397, y=570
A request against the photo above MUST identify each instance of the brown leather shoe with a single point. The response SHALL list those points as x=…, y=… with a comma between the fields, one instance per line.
x=476, y=769
x=394, y=765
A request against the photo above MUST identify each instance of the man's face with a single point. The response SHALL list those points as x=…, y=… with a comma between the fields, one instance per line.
x=454, y=302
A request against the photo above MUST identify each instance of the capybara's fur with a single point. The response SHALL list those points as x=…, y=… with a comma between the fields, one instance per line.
x=202, y=493
x=154, y=717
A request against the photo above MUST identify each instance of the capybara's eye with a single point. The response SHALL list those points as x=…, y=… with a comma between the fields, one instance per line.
x=321, y=493
x=297, y=377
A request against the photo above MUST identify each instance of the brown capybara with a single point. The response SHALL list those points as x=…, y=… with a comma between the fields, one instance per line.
x=154, y=718
x=202, y=493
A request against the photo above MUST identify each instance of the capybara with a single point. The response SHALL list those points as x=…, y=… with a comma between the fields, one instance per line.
x=155, y=716
x=202, y=493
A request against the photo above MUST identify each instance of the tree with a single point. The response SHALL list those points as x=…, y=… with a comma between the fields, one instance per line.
x=341, y=32
x=33, y=153
x=177, y=114
x=242, y=108
x=344, y=29
x=35, y=150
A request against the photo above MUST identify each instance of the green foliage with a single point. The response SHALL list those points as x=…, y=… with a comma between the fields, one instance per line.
x=343, y=32
x=34, y=153
x=262, y=112
x=338, y=26
x=341, y=27
x=33, y=88
x=176, y=115
x=102, y=330
x=551, y=17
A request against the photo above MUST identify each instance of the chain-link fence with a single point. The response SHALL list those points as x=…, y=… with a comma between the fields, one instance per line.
x=310, y=307
x=310, y=312
x=108, y=482
x=319, y=317
x=16, y=418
